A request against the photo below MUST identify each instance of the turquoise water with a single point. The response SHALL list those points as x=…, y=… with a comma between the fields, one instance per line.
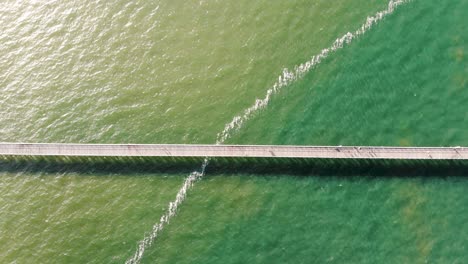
x=175, y=72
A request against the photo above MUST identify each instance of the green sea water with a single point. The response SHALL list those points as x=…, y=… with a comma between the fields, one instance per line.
x=177, y=72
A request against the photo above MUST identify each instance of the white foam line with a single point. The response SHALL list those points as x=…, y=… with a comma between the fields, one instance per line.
x=170, y=213
x=284, y=79
x=288, y=76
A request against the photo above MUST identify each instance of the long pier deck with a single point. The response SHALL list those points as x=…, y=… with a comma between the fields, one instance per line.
x=260, y=151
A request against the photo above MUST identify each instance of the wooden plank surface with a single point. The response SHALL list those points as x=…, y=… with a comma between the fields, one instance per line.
x=279, y=151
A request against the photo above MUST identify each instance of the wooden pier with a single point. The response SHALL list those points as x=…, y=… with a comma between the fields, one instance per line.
x=259, y=151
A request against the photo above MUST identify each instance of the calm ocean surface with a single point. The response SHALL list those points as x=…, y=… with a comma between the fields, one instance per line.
x=178, y=72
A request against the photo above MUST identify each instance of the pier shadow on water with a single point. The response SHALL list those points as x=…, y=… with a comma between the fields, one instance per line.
x=222, y=166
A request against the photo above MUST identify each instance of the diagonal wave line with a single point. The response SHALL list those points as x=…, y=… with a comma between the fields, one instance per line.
x=286, y=78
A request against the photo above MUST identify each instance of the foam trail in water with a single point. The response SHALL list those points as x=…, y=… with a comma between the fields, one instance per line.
x=171, y=211
x=289, y=76
x=284, y=79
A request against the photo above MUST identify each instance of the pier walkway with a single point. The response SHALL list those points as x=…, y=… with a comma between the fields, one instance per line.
x=264, y=151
